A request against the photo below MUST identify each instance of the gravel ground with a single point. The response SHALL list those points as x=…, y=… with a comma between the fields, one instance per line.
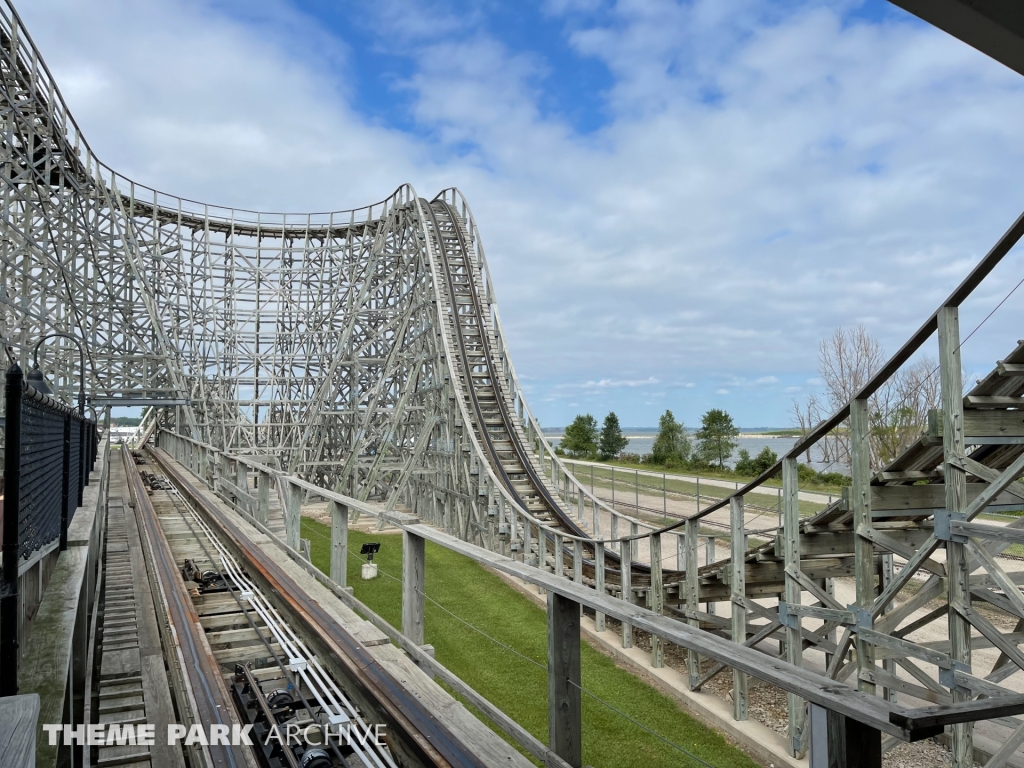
x=767, y=705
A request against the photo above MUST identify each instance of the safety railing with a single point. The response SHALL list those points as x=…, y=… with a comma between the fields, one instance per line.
x=49, y=450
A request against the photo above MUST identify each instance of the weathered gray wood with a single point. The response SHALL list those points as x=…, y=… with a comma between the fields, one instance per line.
x=291, y=500
x=577, y=561
x=626, y=582
x=927, y=497
x=599, y=566
x=860, y=502
x=978, y=424
x=739, y=612
x=794, y=636
x=692, y=595
x=565, y=705
x=19, y=716
x=413, y=584
x=957, y=565
x=46, y=669
x=837, y=542
x=339, y=542
x=158, y=705
x=263, y=497
x=657, y=599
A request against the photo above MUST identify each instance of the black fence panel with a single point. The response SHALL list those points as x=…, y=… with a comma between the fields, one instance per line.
x=75, y=469
x=49, y=450
x=42, y=470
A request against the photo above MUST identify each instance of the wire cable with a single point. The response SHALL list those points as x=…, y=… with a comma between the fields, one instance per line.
x=535, y=663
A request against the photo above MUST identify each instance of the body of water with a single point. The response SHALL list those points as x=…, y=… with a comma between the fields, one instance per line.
x=642, y=443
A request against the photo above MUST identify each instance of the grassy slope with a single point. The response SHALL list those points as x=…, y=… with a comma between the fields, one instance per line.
x=513, y=683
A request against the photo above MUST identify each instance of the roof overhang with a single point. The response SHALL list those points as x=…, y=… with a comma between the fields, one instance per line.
x=994, y=27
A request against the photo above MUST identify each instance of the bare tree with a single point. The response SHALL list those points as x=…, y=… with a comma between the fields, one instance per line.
x=898, y=409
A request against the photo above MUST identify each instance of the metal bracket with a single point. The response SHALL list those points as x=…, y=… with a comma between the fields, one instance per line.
x=786, y=618
x=861, y=616
x=947, y=677
x=943, y=517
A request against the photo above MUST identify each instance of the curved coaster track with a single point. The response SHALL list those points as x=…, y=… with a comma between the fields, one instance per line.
x=361, y=353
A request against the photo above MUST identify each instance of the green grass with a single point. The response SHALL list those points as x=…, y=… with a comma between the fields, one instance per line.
x=512, y=683
x=713, y=474
x=625, y=484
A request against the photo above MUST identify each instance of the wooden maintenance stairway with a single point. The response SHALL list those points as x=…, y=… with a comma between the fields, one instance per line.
x=903, y=494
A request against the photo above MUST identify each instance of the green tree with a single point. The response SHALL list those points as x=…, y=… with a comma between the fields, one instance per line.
x=752, y=467
x=580, y=439
x=716, y=437
x=671, y=444
x=611, y=442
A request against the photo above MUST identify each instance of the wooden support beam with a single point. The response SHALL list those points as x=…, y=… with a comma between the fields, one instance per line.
x=599, y=566
x=263, y=497
x=565, y=704
x=657, y=599
x=577, y=561
x=413, y=586
x=860, y=500
x=291, y=500
x=626, y=581
x=739, y=612
x=794, y=638
x=957, y=562
x=339, y=542
x=692, y=594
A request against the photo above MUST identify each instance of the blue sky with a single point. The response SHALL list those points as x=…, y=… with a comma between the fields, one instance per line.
x=678, y=199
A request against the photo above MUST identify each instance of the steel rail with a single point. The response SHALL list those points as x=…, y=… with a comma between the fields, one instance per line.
x=200, y=669
x=427, y=740
x=331, y=699
x=521, y=454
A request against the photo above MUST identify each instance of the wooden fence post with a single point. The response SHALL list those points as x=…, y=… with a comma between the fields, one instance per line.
x=565, y=710
x=692, y=595
x=794, y=638
x=958, y=565
x=292, y=499
x=739, y=611
x=339, y=543
x=263, y=497
x=626, y=579
x=413, y=574
x=657, y=599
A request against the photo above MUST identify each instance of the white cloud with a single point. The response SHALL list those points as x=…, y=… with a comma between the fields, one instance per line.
x=760, y=168
x=616, y=383
x=721, y=391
